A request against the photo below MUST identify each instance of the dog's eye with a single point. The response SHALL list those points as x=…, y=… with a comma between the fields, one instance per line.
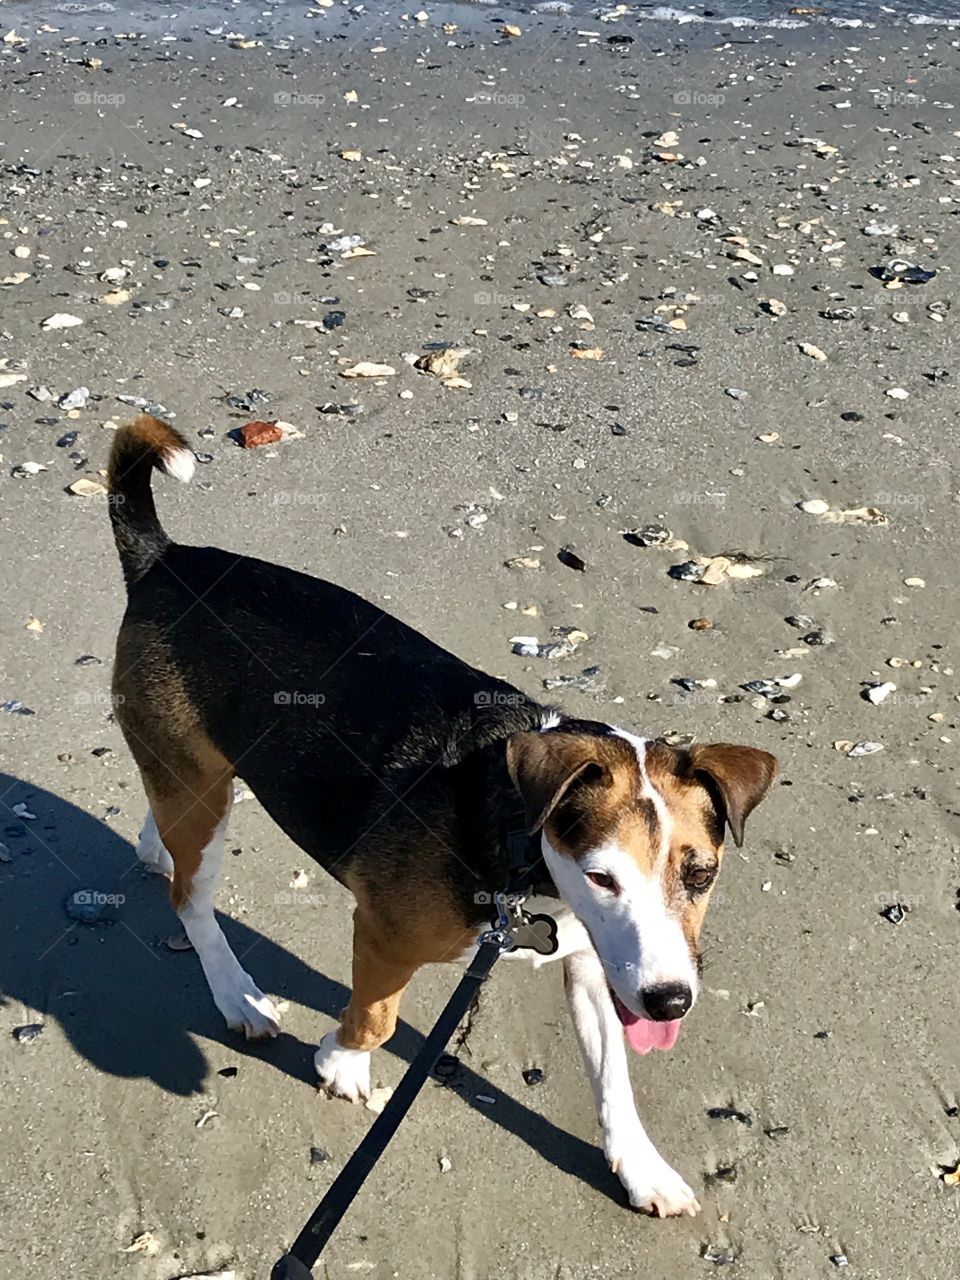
x=698, y=878
x=602, y=881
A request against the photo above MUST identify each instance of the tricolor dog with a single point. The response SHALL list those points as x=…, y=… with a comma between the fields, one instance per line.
x=402, y=770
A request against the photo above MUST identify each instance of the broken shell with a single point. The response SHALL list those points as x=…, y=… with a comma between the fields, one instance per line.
x=368, y=369
x=812, y=351
x=740, y=569
x=60, y=320
x=649, y=535
x=877, y=693
x=444, y=364
x=84, y=488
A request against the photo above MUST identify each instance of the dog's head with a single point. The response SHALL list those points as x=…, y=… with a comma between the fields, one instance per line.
x=632, y=834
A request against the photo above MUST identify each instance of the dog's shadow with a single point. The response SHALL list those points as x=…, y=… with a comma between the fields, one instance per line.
x=133, y=1007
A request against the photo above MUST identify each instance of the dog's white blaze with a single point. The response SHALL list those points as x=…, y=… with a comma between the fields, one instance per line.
x=651, y=793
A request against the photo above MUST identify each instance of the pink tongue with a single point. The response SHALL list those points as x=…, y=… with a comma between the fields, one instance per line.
x=644, y=1035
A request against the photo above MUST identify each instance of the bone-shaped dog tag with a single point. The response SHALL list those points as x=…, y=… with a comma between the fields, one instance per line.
x=537, y=932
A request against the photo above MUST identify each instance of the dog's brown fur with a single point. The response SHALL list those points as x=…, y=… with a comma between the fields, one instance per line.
x=187, y=780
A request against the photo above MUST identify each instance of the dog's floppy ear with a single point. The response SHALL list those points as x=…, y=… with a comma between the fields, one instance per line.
x=543, y=766
x=739, y=776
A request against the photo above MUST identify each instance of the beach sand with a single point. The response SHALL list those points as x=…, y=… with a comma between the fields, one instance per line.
x=207, y=161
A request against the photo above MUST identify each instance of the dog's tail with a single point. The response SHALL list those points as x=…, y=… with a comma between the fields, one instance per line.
x=140, y=446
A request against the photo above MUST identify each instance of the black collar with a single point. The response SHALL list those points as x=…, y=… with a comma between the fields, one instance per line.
x=527, y=874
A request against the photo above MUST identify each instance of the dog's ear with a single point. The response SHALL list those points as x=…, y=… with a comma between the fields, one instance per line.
x=544, y=765
x=738, y=778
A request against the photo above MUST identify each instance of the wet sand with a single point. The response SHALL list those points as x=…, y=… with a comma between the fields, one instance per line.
x=826, y=1025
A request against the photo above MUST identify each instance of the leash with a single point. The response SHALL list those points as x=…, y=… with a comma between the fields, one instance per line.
x=513, y=927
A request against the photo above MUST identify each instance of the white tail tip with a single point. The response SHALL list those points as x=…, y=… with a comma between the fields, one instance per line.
x=179, y=463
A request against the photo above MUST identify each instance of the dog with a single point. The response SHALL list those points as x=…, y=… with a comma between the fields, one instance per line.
x=402, y=771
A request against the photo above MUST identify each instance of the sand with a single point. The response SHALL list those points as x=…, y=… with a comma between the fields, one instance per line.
x=829, y=1027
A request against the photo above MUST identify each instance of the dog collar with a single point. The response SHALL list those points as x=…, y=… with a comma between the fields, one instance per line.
x=525, y=876
x=524, y=859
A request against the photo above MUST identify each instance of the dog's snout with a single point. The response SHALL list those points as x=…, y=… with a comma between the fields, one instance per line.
x=667, y=1000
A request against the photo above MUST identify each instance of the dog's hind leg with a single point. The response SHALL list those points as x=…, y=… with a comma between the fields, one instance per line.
x=150, y=849
x=191, y=815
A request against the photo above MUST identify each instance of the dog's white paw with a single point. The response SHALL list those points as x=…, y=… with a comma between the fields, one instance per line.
x=651, y=1185
x=247, y=1009
x=345, y=1073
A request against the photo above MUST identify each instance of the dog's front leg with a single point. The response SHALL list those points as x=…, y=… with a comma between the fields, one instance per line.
x=342, y=1060
x=649, y=1181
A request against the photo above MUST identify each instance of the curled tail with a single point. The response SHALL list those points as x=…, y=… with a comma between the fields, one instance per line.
x=138, y=447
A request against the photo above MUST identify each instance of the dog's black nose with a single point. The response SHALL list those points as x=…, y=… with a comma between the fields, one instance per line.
x=667, y=1000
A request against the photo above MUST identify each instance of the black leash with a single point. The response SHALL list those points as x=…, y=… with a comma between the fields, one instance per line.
x=309, y=1244
x=512, y=928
